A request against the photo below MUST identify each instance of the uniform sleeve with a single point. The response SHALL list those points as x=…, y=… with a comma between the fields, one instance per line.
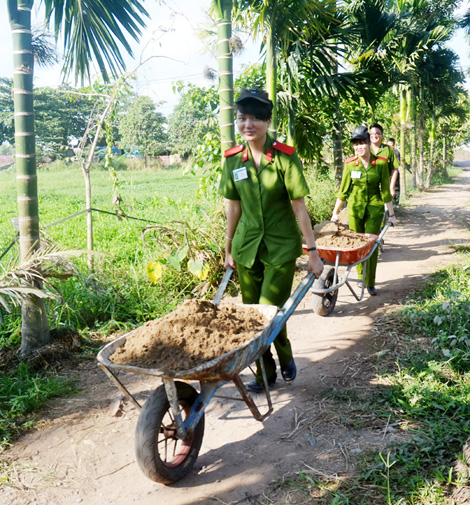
x=393, y=163
x=345, y=188
x=227, y=186
x=294, y=178
x=385, y=185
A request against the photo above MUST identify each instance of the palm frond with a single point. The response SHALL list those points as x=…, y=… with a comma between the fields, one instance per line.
x=94, y=30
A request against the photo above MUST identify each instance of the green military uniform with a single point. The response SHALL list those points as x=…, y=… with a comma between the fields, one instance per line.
x=387, y=152
x=366, y=191
x=267, y=240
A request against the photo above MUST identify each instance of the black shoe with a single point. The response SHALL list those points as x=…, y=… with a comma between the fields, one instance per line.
x=289, y=372
x=255, y=387
x=372, y=291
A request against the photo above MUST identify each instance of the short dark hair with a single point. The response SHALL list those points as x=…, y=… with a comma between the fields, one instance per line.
x=376, y=125
x=391, y=139
x=256, y=108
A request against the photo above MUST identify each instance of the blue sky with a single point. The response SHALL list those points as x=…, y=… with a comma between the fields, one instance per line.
x=180, y=54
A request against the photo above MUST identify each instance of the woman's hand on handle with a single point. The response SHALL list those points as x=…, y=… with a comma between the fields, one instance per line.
x=315, y=264
x=229, y=261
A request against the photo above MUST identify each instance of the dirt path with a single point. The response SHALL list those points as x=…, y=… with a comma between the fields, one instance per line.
x=83, y=455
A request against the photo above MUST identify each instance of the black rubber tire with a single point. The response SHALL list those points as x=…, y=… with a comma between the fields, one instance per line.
x=161, y=456
x=323, y=305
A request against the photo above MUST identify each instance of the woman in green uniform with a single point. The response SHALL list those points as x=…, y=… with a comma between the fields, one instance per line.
x=264, y=187
x=384, y=151
x=365, y=185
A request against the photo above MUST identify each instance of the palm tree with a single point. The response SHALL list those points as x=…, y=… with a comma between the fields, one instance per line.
x=441, y=82
x=223, y=10
x=427, y=24
x=282, y=25
x=90, y=34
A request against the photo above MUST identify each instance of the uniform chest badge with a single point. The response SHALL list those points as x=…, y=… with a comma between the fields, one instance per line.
x=356, y=174
x=240, y=174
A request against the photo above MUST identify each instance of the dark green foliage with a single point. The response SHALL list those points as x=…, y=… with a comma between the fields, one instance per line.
x=59, y=116
x=141, y=127
x=7, y=130
x=190, y=120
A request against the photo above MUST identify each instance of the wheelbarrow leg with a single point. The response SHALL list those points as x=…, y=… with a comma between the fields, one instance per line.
x=249, y=400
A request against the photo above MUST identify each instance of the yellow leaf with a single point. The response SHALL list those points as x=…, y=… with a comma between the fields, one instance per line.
x=154, y=271
x=202, y=274
x=198, y=269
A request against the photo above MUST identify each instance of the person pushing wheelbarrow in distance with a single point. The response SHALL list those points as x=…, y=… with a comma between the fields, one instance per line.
x=365, y=185
x=264, y=188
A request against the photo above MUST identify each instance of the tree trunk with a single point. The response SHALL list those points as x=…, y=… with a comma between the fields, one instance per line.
x=421, y=132
x=34, y=325
x=337, y=146
x=432, y=150
x=271, y=77
x=402, y=145
x=444, y=153
x=413, y=154
x=224, y=33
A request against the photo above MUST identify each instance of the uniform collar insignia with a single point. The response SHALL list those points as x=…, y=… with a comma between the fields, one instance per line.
x=269, y=154
x=245, y=155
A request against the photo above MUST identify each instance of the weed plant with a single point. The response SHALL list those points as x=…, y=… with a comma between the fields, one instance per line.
x=23, y=392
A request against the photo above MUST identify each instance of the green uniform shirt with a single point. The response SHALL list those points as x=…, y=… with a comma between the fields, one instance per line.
x=385, y=151
x=365, y=190
x=267, y=217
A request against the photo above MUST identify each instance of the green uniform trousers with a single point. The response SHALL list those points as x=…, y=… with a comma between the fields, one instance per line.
x=367, y=224
x=270, y=285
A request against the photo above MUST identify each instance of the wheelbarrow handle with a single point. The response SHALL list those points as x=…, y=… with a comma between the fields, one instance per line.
x=288, y=308
x=223, y=284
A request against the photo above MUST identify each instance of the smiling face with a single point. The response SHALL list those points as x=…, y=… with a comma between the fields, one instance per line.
x=251, y=128
x=361, y=148
x=376, y=136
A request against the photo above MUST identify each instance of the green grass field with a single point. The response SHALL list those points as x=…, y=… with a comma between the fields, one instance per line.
x=159, y=196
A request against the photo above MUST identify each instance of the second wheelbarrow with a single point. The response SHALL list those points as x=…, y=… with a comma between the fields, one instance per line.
x=325, y=288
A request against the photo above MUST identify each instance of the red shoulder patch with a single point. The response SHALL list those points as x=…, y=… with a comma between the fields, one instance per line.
x=380, y=158
x=234, y=150
x=352, y=158
x=284, y=148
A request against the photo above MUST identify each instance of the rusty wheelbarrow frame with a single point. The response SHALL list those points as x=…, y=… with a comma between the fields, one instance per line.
x=211, y=375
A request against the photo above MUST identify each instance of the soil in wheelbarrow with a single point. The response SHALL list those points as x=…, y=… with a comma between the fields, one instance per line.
x=196, y=332
x=338, y=236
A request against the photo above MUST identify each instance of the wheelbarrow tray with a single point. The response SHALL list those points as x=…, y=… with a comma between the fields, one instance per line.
x=222, y=368
x=347, y=256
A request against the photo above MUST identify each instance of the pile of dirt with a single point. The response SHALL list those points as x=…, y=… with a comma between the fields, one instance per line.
x=338, y=236
x=196, y=332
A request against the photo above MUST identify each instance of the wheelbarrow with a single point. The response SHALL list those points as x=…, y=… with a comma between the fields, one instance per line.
x=325, y=288
x=170, y=427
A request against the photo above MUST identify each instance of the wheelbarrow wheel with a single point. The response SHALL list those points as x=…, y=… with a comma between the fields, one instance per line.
x=324, y=304
x=161, y=455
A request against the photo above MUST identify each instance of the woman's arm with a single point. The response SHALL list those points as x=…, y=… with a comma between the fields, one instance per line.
x=338, y=205
x=391, y=216
x=393, y=180
x=315, y=265
x=233, y=210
